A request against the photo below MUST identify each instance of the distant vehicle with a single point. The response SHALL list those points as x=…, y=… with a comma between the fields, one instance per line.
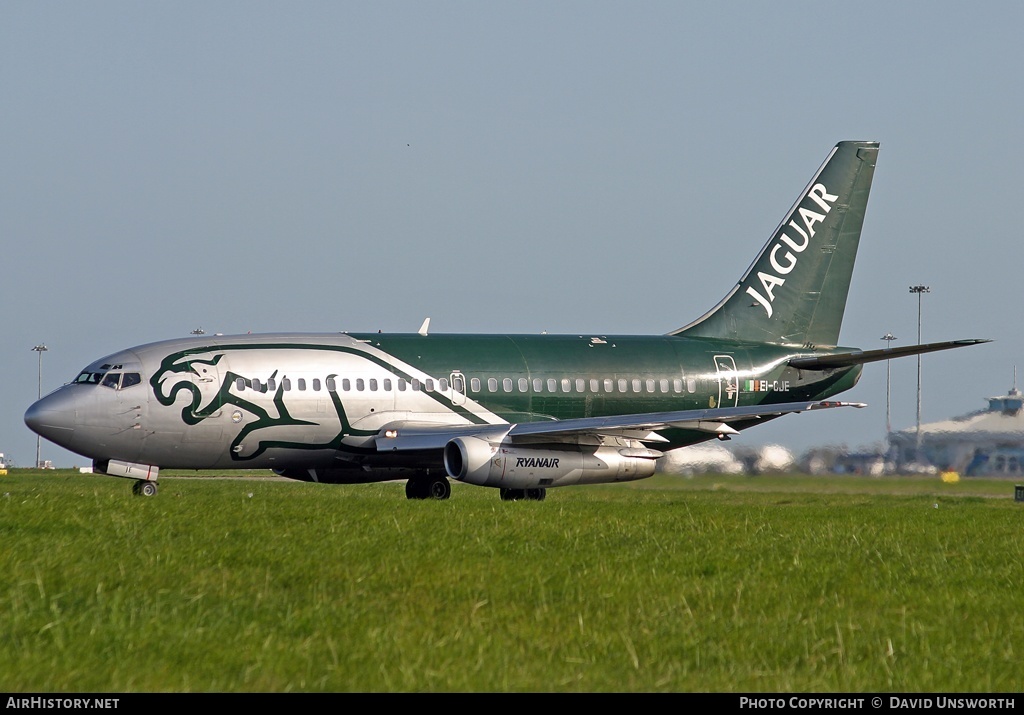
x=517, y=412
x=773, y=458
x=3, y=464
x=707, y=458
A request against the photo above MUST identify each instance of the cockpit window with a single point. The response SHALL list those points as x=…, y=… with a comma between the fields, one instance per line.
x=113, y=380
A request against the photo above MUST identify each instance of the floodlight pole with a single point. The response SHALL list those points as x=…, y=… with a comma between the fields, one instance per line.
x=888, y=338
x=919, y=290
x=39, y=392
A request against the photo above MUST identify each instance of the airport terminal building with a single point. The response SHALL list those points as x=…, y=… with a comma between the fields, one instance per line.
x=988, y=442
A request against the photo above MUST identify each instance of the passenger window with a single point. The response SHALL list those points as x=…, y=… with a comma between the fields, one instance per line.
x=331, y=385
x=401, y=384
x=415, y=384
x=373, y=385
x=346, y=384
x=256, y=385
x=316, y=384
x=272, y=384
x=360, y=384
x=581, y=385
x=538, y=385
x=428, y=384
x=240, y=384
x=492, y=384
x=552, y=385
x=506, y=384
x=623, y=385
x=302, y=384
x=609, y=385
x=595, y=385
x=566, y=385
x=286, y=384
x=650, y=385
x=636, y=385
x=664, y=385
x=474, y=384
x=691, y=385
x=459, y=383
x=443, y=384
x=387, y=384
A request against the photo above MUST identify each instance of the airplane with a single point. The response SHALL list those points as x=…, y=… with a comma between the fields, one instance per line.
x=520, y=413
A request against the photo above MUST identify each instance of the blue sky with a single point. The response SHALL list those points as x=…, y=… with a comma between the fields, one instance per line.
x=604, y=167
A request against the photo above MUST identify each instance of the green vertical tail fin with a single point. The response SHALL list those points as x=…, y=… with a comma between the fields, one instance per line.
x=794, y=293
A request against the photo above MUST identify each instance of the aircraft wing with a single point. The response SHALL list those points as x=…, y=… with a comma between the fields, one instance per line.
x=402, y=436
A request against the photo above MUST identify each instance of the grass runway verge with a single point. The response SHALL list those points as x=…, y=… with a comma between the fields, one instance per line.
x=672, y=584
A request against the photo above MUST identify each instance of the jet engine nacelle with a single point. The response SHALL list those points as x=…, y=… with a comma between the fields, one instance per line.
x=477, y=461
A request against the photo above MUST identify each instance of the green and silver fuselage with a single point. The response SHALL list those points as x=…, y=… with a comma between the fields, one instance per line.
x=301, y=401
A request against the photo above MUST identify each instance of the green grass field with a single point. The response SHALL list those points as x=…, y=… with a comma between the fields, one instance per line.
x=723, y=584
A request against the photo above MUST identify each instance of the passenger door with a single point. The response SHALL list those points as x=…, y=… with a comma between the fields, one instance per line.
x=728, y=381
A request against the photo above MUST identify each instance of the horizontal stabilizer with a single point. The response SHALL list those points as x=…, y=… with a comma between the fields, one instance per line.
x=859, y=357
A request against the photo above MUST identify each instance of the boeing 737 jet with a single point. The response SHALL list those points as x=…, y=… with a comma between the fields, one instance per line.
x=521, y=413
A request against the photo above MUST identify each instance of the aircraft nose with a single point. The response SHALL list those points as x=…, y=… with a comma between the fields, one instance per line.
x=52, y=417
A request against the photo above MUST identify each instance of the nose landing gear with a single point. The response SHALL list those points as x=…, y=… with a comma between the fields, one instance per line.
x=144, y=488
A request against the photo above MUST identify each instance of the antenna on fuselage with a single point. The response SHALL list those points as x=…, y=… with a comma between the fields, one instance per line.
x=423, y=328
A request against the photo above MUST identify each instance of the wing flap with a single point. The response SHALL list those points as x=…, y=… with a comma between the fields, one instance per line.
x=708, y=420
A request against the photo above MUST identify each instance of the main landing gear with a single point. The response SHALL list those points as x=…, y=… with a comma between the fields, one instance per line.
x=428, y=486
x=528, y=494
x=144, y=488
